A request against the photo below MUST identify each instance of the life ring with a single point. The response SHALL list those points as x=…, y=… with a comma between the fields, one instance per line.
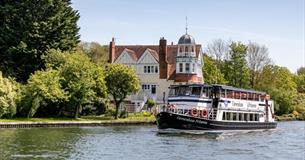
x=204, y=113
x=171, y=106
x=194, y=112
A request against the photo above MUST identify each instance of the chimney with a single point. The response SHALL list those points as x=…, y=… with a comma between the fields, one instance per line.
x=111, y=50
x=163, y=59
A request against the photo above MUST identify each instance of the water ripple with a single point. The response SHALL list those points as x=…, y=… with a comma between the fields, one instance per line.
x=146, y=143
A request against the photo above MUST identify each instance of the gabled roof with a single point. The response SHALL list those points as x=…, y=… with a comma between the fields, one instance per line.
x=132, y=54
x=136, y=51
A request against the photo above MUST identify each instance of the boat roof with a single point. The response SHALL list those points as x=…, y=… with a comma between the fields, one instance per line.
x=237, y=89
x=222, y=87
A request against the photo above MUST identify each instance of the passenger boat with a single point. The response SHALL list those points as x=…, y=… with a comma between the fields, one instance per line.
x=216, y=107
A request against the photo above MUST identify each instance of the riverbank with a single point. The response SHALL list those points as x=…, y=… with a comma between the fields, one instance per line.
x=133, y=119
x=291, y=117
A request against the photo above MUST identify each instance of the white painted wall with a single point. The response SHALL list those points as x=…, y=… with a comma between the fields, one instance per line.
x=146, y=78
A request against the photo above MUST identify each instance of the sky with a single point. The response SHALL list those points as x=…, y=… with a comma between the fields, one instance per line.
x=277, y=24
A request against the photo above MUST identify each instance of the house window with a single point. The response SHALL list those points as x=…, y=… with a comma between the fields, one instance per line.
x=151, y=69
x=193, y=69
x=187, y=67
x=145, y=69
x=180, y=67
x=153, y=89
x=192, y=49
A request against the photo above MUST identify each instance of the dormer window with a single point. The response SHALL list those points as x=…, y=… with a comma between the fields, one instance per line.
x=192, y=49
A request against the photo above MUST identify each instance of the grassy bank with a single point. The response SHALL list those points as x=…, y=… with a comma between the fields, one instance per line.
x=131, y=117
x=290, y=117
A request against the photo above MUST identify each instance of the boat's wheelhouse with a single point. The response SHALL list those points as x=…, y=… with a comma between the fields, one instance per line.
x=190, y=96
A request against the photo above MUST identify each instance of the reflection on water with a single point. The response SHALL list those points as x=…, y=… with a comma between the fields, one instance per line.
x=145, y=142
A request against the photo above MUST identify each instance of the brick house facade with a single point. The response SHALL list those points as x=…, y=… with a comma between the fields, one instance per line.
x=159, y=66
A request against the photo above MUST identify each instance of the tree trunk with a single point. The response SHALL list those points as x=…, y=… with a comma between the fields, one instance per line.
x=117, y=105
x=76, y=114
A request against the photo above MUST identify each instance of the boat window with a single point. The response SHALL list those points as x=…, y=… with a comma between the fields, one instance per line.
x=251, y=117
x=230, y=94
x=204, y=92
x=228, y=117
x=256, y=117
x=223, y=115
x=246, y=117
x=209, y=93
x=234, y=116
x=237, y=95
x=196, y=91
x=244, y=95
x=185, y=91
x=255, y=97
x=173, y=91
x=216, y=92
x=223, y=93
x=240, y=116
x=250, y=96
x=231, y=116
x=263, y=98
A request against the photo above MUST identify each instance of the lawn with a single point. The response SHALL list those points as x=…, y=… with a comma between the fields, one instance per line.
x=131, y=117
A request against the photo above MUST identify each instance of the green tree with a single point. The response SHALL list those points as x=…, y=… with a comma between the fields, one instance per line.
x=301, y=71
x=299, y=79
x=235, y=68
x=121, y=81
x=150, y=103
x=278, y=81
x=8, y=97
x=97, y=53
x=29, y=28
x=83, y=80
x=257, y=56
x=42, y=90
x=211, y=74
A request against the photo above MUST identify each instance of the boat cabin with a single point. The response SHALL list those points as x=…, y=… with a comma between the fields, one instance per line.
x=224, y=103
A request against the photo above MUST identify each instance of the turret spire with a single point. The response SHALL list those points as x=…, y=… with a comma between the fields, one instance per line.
x=186, y=25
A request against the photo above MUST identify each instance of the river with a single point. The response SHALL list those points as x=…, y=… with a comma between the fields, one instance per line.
x=145, y=143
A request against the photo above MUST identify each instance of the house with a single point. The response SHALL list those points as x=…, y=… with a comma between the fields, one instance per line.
x=159, y=66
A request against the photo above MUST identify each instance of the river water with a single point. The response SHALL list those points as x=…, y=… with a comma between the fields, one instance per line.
x=145, y=143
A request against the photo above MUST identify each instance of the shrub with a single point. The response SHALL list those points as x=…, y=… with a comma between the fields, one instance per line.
x=8, y=96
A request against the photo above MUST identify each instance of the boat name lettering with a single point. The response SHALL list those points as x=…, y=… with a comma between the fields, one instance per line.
x=185, y=119
x=191, y=120
x=251, y=105
x=237, y=104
